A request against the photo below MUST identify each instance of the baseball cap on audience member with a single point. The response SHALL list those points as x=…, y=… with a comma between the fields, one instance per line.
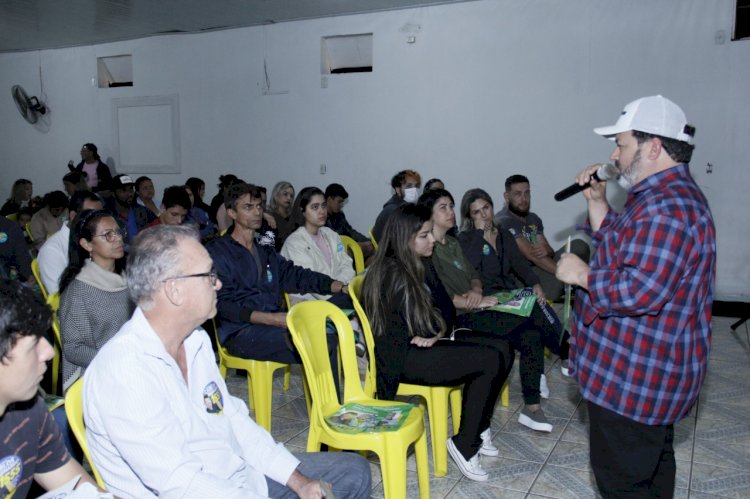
x=120, y=181
x=656, y=115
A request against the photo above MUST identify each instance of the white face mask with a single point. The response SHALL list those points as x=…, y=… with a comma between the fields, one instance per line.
x=411, y=195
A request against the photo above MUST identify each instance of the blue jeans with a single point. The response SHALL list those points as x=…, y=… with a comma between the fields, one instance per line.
x=68, y=438
x=348, y=473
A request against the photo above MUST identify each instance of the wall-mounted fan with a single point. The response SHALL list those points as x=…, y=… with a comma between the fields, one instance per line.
x=29, y=107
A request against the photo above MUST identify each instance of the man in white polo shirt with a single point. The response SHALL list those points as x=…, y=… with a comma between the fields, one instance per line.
x=159, y=418
x=53, y=255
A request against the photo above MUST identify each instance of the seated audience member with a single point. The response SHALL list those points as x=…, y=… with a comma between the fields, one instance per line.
x=316, y=247
x=528, y=230
x=199, y=211
x=222, y=220
x=98, y=174
x=130, y=216
x=225, y=181
x=94, y=301
x=15, y=260
x=23, y=218
x=198, y=187
x=20, y=197
x=169, y=427
x=50, y=218
x=175, y=205
x=198, y=218
x=266, y=236
x=410, y=311
x=336, y=197
x=74, y=181
x=53, y=255
x=528, y=335
x=282, y=197
x=432, y=184
x=251, y=323
x=405, y=186
x=495, y=256
x=32, y=447
x=144, y=194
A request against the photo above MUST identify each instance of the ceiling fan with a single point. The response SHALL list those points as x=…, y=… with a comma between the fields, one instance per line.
x=29, y=107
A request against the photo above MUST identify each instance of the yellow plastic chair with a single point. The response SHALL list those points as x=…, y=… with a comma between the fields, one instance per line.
x=259, y=380
x=74, y=412
x=373, y=240
x=53, y=301
x=38, y=276
x=356, y=250
x=27, y=227
x=307, y=323
x=435, y=398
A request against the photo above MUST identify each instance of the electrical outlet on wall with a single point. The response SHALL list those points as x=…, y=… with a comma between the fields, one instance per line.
x=322, y=168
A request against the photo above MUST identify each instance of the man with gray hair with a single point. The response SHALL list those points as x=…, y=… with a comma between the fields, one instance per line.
x=159, y=418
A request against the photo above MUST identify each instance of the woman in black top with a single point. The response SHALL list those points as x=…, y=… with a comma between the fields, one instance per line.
x=494, y=254
x=412, y=319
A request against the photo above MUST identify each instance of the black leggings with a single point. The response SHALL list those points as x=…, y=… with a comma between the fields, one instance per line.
x=480, y=362
x=528, y=335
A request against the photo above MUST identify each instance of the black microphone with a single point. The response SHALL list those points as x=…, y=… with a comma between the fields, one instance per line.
x=607, y=171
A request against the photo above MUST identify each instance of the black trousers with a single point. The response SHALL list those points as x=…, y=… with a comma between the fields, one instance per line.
x=480, y=362
x=262, y=342
x=630, y=459
x=528, y=335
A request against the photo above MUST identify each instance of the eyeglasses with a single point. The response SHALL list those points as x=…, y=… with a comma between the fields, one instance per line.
x=213, y=277
x=112, y=235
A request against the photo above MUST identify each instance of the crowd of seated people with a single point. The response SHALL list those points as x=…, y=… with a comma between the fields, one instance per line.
x=427, y=282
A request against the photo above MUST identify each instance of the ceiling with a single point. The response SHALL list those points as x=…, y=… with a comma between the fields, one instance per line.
x=45, y=24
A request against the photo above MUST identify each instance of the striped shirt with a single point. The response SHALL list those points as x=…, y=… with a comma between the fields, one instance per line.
x=643, y=330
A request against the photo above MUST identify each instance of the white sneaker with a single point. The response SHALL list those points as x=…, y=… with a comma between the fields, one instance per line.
x=471, y=469
x=534, y=420
x=488, y=448
x=565, y=367
x=543, y=387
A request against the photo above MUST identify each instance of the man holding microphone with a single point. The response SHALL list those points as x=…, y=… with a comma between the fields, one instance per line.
x=640, y=344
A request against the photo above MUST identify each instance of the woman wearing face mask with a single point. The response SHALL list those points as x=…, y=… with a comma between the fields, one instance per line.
x=94, y=300
x=282, y=198
x=316, y=247
x=410, y=311
x=528, y=335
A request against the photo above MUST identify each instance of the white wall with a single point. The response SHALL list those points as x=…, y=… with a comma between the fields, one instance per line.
x=490, y=88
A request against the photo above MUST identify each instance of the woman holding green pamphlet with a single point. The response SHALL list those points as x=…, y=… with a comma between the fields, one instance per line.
x=481, y=312
x=494, y=254
x=413, y=322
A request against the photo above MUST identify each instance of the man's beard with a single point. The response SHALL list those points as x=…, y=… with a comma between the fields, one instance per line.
x=629, y=177
x=516, y=211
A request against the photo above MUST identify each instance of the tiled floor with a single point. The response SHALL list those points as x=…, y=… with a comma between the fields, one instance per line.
x=712, y=445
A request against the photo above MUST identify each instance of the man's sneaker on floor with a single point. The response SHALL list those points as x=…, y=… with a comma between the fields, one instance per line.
x=471, y=469
x=488, y=448
x=543, y=387
x=534, y=420
x=565, y=367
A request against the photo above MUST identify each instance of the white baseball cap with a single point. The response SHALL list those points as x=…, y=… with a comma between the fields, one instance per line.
x=656, y=115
